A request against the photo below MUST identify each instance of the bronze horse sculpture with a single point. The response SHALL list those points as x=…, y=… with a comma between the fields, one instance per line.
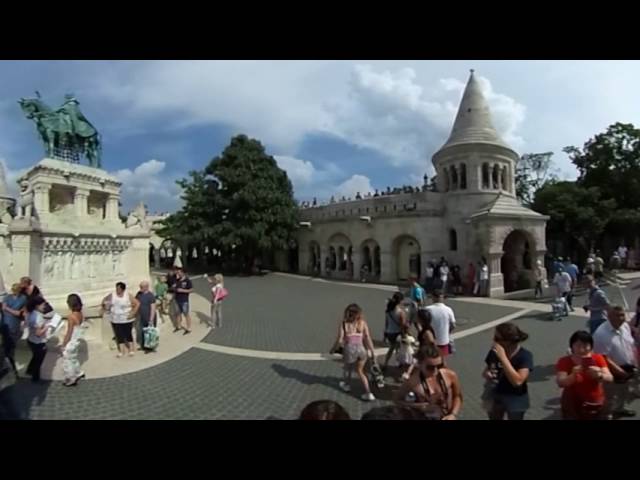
x=65, y=127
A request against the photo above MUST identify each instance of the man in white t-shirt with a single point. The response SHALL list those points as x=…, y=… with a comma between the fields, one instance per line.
x=564, y=283
x=483, y=276
x=444, y=275
x=443, y=321
x=614, y=340
x=622, y=253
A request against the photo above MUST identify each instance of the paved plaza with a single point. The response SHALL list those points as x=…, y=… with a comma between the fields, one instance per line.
x=270, y=358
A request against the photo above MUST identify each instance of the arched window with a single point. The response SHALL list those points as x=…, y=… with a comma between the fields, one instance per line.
x=485, y=176
x=453, y=240
x=504, y=179
x=454, y=177
x=463, y=176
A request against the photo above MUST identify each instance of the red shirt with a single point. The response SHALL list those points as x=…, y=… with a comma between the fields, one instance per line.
x=585, y=388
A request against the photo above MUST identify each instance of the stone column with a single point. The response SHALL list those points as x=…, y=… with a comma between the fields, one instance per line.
x=303, y=260
x=512, y=181
x=500, y=173
x=41, y=199
x=324, y=253
x=478, y=176
x=80, y=201
x=386, y=267
x=112, y=208
x=496, y=281
x=356, y=258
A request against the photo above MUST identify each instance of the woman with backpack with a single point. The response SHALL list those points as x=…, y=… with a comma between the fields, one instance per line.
x=218, y=294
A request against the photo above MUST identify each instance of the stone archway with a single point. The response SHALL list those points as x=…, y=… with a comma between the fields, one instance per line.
x=406, y=252
x=370, y=258
x=516, y=264
x=293, y=255
x=314, y=258
x=341, y=255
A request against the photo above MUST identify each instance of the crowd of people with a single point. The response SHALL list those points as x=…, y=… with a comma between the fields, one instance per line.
x=26, y=308
x=598, y=375
x=404, y=189
x=474, y=280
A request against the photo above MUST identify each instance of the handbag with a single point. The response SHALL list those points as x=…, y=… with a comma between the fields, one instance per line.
x=151, y=337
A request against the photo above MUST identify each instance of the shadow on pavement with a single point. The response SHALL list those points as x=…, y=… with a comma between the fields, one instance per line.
x=542, y=373
x=204, y=319
x=306, y=378
x=16, y=400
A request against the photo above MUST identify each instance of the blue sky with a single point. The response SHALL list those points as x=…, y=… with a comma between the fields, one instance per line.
x=337, y=127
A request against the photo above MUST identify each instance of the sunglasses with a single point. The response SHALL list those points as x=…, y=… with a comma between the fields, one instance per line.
x=431, y=368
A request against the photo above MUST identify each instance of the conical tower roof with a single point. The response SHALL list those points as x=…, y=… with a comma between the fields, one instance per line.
x=473, y=122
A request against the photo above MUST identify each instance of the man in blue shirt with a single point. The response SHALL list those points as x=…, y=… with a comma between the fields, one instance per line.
x=11, y=323
x=556, y=266
x=598, y=305
x=417, y=292
x=572, y=270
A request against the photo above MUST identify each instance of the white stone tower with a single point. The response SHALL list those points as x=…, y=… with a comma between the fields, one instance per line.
x=475, y=159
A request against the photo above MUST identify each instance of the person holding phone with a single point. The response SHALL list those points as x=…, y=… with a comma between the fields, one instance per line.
x=581, y=376
x=508, y=365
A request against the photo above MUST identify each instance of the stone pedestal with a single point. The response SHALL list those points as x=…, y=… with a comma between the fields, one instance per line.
x=73, y=245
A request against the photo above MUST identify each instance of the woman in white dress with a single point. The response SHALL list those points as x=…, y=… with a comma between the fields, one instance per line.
x=71, y=343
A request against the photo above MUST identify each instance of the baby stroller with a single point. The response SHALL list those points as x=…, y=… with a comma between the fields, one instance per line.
x=559, y=309
x=375, y=374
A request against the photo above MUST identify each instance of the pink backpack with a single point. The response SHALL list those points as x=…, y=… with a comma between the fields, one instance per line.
x=221, y=294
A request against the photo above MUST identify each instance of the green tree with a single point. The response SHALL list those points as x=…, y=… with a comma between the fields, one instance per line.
x=533, y=171
x=259, y=213
x=241, y=204
x=193, y=225
x=611, y=162
x=576, y=212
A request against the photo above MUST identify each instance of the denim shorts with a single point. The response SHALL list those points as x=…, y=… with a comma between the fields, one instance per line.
x=183, y=307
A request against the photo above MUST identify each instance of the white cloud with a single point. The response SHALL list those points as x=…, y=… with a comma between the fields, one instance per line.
x=300, y=172
x=391, y=112
x=356, y=184
x=11, y=177
x=148, y=183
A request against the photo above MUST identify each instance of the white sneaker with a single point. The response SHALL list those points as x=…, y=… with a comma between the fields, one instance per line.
x=345, y=386
x=368, y=397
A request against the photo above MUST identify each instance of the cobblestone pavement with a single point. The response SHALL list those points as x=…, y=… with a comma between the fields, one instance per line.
x=284, y=314
x=200, y=384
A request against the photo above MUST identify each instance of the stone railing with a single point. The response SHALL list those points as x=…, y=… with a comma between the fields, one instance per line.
x=423, y=203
